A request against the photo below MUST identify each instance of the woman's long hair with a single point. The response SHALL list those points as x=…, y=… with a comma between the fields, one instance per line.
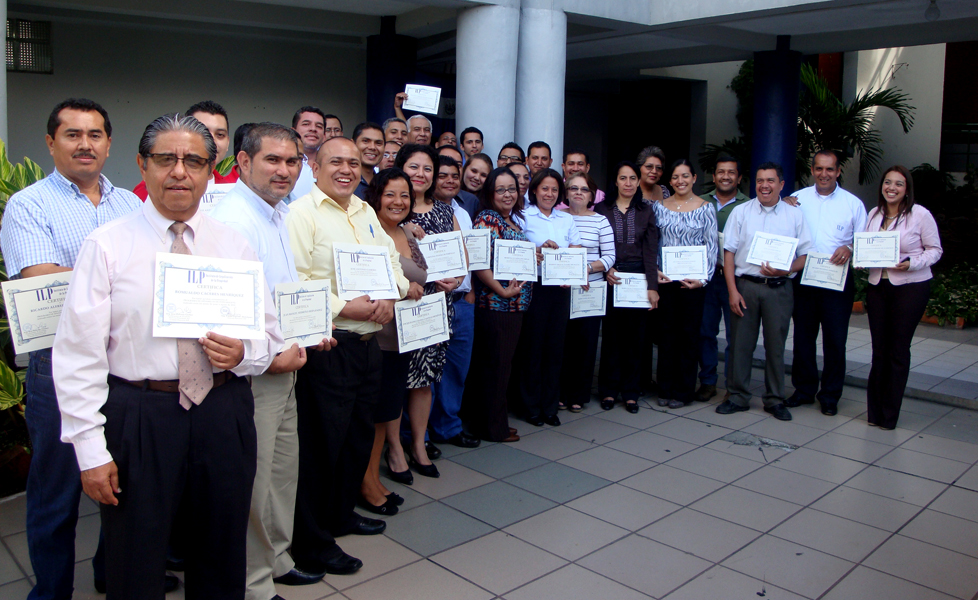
x=906, y=205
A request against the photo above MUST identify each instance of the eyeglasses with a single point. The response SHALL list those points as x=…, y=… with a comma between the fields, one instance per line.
x=503, y=191
x=191, y=162
x=510, y=158
x=390, y=154
x=652, y=167
x=574, y=190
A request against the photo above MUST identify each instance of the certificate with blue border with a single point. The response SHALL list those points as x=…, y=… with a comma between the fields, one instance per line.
x=303, y=311
x=34, y=309
x=591, y=302
x=821, y=272
x=421, y=323
x=364, y=271
x=564, y=266
x=197, y=294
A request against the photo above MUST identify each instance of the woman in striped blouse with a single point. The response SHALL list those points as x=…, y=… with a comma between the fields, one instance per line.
x=581, y=341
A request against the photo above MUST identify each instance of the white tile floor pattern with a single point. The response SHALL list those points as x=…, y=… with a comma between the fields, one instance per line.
x=657, y=505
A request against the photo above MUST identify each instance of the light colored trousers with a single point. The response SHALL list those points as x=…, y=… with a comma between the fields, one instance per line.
x=273, y=497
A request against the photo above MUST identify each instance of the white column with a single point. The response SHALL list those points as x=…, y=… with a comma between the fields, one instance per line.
x=488, y=39
x=3, y=80
x=540, y=74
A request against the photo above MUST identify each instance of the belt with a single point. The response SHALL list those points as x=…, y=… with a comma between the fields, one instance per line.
x=341, y=334
x=456, y=296
x=768, y=281
x=173, y=385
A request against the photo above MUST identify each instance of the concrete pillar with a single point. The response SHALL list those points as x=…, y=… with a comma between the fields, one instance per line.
x=486, y=51
x=777, y=83
x=540, y=74
x=3, y=82
x=391, y=62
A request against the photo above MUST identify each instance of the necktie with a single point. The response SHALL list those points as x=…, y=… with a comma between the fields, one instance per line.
x=196, y=375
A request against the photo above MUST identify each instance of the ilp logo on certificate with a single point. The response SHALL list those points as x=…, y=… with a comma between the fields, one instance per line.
x=34, y=308
x=303, y=311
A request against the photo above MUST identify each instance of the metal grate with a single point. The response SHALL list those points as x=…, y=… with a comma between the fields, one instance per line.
x=29, y=46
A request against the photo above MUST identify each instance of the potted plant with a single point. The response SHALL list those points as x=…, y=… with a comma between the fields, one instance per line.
x=861, y=278
x=954, y=297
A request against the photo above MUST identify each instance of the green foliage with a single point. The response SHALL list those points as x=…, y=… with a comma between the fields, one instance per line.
x=224, y=167
x=11, y=388
x=954, y=294
x=738, y=148
x=861, y=279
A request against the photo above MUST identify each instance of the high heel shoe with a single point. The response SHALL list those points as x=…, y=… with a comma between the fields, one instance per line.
x=426, y=470
x=387, y=509
x=405, y=477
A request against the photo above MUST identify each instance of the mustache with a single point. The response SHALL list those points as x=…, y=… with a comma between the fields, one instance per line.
x=83, y=154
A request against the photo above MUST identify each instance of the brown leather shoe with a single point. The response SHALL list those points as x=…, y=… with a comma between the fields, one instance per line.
x=512, y=438
x=512, y=431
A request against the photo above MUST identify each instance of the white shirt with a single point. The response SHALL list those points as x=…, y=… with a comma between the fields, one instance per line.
x=106, y=325
x=833, y=219
x=303, y=185
x=559, y=227
x=464, y=224
x=747, y=219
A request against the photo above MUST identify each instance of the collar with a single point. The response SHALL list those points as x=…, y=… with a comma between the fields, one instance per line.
x=761, y=209
x=826, y=196
x=534, y=211
x=161, y=225
x=258, y=203
x=319, y=197
x=105, y=186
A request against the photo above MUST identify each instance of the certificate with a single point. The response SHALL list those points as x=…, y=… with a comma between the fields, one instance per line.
x=197, y=294
x=421, y=322
x=514, y=260
x=820, y=272
x=771, y=248
x=422, y=98
x=564, y=266
x=215, y=192
x=303, y=312
x=684, y=262
x=445, y=255
x=590, y=303
x=364, y=271
x=34, y=308
x=632, y=292
x=880, y=249
x=477, y=243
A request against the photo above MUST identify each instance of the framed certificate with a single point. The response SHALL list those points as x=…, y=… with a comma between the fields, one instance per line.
x=215, y=192
x=421, y=322
x=197, y=294
x=364, y=271
x=303, y=311
x=771, y=248
x=422, y=98
x=820, y=272
x=684, y=262
x=632, y=292
x=564, y=266
x=477, y=243
x=879, y=249
x=514, y=260
x=34, y=308
x=445, y=255
x=590, y=303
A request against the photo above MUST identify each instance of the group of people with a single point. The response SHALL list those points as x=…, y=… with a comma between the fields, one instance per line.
x=242, y=461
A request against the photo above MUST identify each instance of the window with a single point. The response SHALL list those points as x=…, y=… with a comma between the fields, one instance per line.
x=29, y=46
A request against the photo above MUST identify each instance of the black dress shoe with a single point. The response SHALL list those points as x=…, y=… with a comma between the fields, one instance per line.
x=170, y=583
x=387, y=509
x=607, y=403
x=464, y=440
x=830, y=410
x=426, y=470
x=344, y=564
x=432, y=451
x=795, y=400
x=706, y=392
x=299, y=577
x=631, y=406
x=397, y=500
x=367, y=526
x=553, y=421
x=779, y=411
x=727, y=408
x=277, y=597
x=403, y=477
x=536, y=421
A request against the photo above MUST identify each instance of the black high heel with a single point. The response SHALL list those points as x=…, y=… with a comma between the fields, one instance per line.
x=404, y=477
x=426, y=470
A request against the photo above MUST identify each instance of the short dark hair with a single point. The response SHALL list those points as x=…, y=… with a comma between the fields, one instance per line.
x=591, y=185
x=637, y=201
x=469, y=130
x=680, y=163
x=587, y=157
x=210, y=107
x=83, y=104
x=539, y=144
x=305, y=109
x=724, y=157
x=765, y=166
x=375, y=191
x=252, y=142
x=409, y=150
x=445, y=161
x=514, y=146
x=394, y=120
x=538, y=179
x=453, y=149
x=827, y=152
x=239, y=135
x=488, y=191
x=331, y=116
x=363, y=127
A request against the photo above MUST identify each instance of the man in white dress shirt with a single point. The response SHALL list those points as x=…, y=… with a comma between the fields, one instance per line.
x=310, y=123
x=833, y=215
x=161, y=425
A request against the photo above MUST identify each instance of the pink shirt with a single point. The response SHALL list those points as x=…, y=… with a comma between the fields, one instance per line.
x=919, y=241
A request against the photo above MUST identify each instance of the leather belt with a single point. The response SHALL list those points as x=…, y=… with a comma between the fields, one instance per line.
x=173, y=385
x=340, y=334
x=768, y=281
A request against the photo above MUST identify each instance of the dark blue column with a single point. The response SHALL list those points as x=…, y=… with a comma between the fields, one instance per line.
x=777, y=83
x=391, y=62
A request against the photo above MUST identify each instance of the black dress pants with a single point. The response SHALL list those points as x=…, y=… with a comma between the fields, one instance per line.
x=541, y=349
x=580, y=352
x=200, y=462
x=336, y=394
x=680, y=316
x=622, y=344
x=496, y=337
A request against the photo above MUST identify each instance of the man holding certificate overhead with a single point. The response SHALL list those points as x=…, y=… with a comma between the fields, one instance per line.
x=765, y=242
x=163, y=426
x=336, y=237
x=833, y=216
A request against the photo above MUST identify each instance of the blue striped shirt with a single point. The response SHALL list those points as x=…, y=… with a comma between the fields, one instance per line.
x=47, y=221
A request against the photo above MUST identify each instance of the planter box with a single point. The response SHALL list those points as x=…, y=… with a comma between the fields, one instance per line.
x=958, y=322
x=858, y=307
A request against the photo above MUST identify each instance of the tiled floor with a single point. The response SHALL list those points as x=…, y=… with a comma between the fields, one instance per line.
x=660, y=505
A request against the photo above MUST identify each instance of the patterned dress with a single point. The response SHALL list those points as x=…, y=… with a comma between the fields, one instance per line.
x=426, y=364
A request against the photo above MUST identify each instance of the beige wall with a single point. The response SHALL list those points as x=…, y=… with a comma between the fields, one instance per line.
x=139, y=74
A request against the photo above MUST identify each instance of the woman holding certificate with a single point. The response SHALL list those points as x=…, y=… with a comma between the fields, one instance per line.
x=581, y=341
x=426, y=364
x=688, y=250
x=897, y=296
x=499, y=312
x=636, y=273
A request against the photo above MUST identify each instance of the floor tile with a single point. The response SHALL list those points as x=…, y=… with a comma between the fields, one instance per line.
x=859, y=429
x=86, y=536
x=9, y=569
x=701, y=534
x=832, y=535
x=722, y=583
x=566, y=532
x=17, y=544
x=643, y=419
x=958, y=502
x=552, y=444
x=930, y=566
x=761, y=454
x=811, y=416
x=945, y=531
x=746, y=508
x=672, y=484
x=315, y=591
x=13, y=514
x=499, y=503
x=713, y=464
x=607, y=463
x=422, y=579
x=628, y=561
x=969, y=480
x=852, y=448
x=896, y=485
x=623, y=506
x=868, y=584
x=499, y=460
x=690, y=431
x=573, y=583
x=782, y=431
x=16, y=590
x=651, y=446
x=923, y=465
x=820, y=465
x=380, y=554
x=734, y=421
x=498, y=562
x=785, y=485
x=869, y=509
x=557, y=482
x=454, y=479
x=938, y=446
x=434, y=527
x=596, y=431
x=785, y=564
x=915, y=421
x=412, y=498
